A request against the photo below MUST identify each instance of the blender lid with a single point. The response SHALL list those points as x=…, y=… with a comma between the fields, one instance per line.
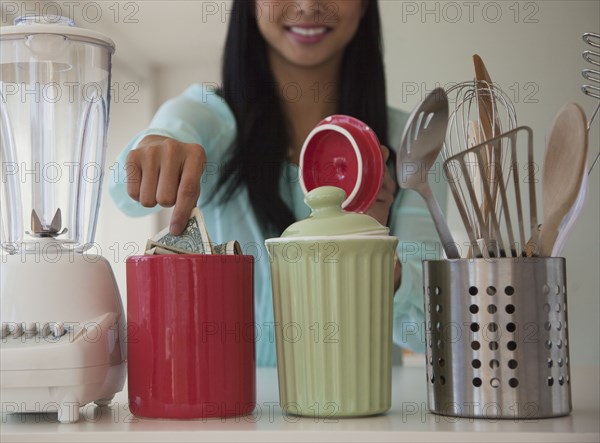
x=30, y=25
x=329, y=219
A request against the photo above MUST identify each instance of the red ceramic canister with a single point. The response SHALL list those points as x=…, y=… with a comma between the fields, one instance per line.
x=191, y=348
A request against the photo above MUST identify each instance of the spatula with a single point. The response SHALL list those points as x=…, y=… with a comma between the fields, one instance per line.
x=564, y=167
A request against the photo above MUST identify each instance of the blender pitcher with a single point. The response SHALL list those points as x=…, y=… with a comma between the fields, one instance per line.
x=61, y=311
x=55, y=83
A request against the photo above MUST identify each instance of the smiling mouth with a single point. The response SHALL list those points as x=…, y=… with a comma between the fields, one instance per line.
x=309, y=31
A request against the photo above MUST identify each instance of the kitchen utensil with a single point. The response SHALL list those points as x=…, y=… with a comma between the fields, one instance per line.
x=191, y=336
x=333, y=286
x=55, y=83
x=489, y=121
x=592, y=75
x=478, y=104
x=568, y=222
x=344, y=152
x=483, y=360
x=486, y=101
x=420, y=146
x=504, y=233
x=464, y=122
x=564, y=167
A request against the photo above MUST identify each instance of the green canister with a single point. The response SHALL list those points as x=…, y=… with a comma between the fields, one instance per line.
x=333, y=287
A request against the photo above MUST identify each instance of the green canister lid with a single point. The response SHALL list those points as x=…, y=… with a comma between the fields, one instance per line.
x=329, y=219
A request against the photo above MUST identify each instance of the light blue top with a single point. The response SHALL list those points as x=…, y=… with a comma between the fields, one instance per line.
x=200, y=116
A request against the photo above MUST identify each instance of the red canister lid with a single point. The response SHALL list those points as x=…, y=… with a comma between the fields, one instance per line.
x=344, y=152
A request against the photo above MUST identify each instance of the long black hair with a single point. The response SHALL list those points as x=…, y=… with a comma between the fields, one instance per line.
x=256, y=157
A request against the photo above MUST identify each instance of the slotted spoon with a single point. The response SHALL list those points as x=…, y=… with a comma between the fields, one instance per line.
x=421, y=143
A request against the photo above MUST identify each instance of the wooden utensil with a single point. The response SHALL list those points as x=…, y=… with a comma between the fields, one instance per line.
x=489, y=121
x=564, y=167
x=485, y=100
x=568, y=222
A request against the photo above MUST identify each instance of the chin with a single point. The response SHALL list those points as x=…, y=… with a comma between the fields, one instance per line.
x=311, y=59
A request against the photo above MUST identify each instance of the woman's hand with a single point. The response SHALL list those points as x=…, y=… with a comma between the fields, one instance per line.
x=380, y=210
x=166, y=172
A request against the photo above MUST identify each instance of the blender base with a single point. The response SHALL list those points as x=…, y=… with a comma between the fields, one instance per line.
x=100, y=383
x=63, y=334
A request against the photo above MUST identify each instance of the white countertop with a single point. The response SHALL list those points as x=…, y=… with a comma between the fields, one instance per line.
x=408, y=420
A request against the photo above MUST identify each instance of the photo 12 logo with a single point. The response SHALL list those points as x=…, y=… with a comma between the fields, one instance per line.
x=323, y=12
x=79, y=11
x=517, y=92
x=471, y=12
x=62, y=92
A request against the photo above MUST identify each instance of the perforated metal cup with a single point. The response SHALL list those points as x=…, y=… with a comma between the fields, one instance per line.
x=497, y=337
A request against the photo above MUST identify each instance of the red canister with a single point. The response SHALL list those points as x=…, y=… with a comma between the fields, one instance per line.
x=191, y=348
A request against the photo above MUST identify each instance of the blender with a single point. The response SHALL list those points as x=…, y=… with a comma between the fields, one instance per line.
x=63, y=328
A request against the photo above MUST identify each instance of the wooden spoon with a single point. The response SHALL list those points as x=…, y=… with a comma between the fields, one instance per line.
x=564, y=167
x=485, y=100
x=490, y=126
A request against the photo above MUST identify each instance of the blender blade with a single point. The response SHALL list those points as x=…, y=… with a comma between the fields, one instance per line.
x=38, y=229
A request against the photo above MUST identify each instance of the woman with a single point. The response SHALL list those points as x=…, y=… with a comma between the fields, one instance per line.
x=287, y=65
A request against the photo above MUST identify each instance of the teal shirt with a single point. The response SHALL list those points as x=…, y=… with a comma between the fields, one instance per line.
x=200, y=116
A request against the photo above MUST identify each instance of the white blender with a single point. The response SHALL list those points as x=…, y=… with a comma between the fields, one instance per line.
x=63, y=328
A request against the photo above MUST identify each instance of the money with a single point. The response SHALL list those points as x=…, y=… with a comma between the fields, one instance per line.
x=193, y=240
x=157, y=250
x=230, y=248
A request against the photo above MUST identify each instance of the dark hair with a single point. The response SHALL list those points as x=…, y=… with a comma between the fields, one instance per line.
x=261, y=146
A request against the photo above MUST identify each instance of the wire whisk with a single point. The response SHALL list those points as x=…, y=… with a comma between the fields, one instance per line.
x=592, y=75
x=464, y=125
x=471, y=101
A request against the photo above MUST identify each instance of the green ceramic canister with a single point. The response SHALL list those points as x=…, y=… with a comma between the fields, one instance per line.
x=333, y=287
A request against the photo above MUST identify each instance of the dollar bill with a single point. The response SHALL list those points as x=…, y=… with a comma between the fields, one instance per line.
x=157, y=250
x=193, y=240
x=230, y=248
x=159, y=247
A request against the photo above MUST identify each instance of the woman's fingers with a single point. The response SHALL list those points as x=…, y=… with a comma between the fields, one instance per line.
x=170, y=172
x=133, y=176
x=150, y=171
x=166, y=172
x=388, y=187
x=381, y=208
x=385, y=152
x=188, y=190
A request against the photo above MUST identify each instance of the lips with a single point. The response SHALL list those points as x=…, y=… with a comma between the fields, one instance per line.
x=308, y=34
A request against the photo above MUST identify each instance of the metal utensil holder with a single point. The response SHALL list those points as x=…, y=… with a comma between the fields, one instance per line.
x=497, y=338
